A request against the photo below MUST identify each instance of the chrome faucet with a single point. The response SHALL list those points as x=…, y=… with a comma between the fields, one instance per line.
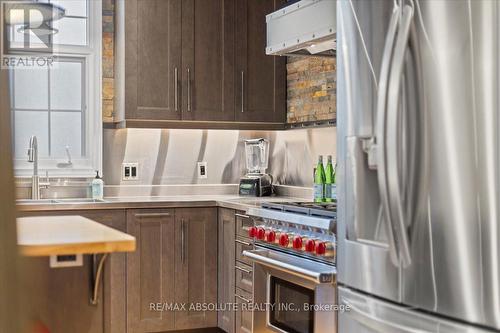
x=35, y=180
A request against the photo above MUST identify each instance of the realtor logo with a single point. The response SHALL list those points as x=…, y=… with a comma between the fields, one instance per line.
x=27, y=33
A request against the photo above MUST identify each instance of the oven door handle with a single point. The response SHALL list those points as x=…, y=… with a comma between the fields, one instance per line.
x=281, y=265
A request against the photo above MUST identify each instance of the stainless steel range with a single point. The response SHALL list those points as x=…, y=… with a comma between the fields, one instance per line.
x=294, y=267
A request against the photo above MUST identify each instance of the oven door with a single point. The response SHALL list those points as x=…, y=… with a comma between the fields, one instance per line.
x=292, y=294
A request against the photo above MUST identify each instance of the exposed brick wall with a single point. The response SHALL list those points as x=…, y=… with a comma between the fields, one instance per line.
x=311, y=89
x=108, y=52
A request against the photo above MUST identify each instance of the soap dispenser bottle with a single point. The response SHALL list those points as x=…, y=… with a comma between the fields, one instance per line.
x=97, y=187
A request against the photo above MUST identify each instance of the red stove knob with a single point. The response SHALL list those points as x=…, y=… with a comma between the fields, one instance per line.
x=297, y=243
x=271, y=236
x=284, y=240
x=252, y=232
x=326, y=249
x=261, y=233
x=310, y=245
x=321, y=248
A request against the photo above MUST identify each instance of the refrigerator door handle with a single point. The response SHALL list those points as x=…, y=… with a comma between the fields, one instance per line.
x=381, y=127
x=397, y=220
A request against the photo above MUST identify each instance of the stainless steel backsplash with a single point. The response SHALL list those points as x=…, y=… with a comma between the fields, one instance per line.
x=168, y=157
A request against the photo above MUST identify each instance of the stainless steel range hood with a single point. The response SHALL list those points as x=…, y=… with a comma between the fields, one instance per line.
x=304, y=28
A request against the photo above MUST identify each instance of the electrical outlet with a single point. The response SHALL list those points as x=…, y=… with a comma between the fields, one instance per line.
x=130, y=171
x=68, y=260
x=202, y=170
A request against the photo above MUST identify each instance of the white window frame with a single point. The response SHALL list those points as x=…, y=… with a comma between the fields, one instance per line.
x=81, y=167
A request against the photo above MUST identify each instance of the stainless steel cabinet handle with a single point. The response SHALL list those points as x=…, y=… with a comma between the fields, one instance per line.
x=189, y=89
x=393, y=127
x=242, y=215
x=242, y=91
x=183, y=241
x=243, y=269
x=382, y=127
x=259, y=257
x=243, y=298
x=243, y=242
x=146, y=215
x=176, y=88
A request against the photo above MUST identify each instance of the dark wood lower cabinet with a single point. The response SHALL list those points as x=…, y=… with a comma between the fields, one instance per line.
x=150, y=271
x=59, y=297
x=196, y=266
x=175, y=263
x=226, y=274
x=244, y=314
x=235, y=278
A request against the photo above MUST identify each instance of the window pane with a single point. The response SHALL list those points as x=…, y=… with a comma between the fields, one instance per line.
x=66, y=86
x=72, y=31
x=26, y=124
x=66, y=128
x=18, y=37
x=73, y=7
x=31, y=88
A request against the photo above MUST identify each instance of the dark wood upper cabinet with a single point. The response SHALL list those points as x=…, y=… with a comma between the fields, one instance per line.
x=207, y=60
x=152, y=59
x=261, y=88
x=198, y=64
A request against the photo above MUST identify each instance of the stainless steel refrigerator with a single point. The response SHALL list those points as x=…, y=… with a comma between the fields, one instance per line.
x=419, y=165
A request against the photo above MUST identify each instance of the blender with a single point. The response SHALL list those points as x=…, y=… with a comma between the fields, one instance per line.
x=256, y=181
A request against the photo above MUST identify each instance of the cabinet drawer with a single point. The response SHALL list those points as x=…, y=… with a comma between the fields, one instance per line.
x=244, y=277
x=243, y=314
x=243, y=245
x=243, y=224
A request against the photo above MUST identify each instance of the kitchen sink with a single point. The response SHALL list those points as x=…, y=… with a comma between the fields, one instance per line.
x=35, y=202
x=79, y=200
x=58, y=201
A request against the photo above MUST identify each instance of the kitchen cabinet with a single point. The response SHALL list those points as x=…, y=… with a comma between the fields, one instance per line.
x=226, y=267
x=59, y=297
x=195, y=266
x=152, y=59
x=261, y=79
x=243, y=315
x=175, y=263
x=235, y=272
x=207, y=53
x=203, y=67
x=150, y=270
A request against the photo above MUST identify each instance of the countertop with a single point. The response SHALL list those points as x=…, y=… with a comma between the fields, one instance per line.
x=226, y=201
x=58, y=235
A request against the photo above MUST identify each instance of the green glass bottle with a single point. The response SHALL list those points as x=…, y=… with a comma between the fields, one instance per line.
x=334, y=184
x=319, y=181
x=329, y=180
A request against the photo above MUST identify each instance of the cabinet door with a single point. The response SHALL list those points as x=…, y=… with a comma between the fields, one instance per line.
x=150, y=270
x=243, y=314
x=195, y=266
x=59, y=297
x=114, y=278
x=208, y=60
x=226, y=273
x=261, y=79
x=152, y=59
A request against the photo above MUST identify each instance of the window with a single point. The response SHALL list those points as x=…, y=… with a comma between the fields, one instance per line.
x=61, y=103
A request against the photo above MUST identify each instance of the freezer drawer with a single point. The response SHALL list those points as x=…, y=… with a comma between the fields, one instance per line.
x=367, y=314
